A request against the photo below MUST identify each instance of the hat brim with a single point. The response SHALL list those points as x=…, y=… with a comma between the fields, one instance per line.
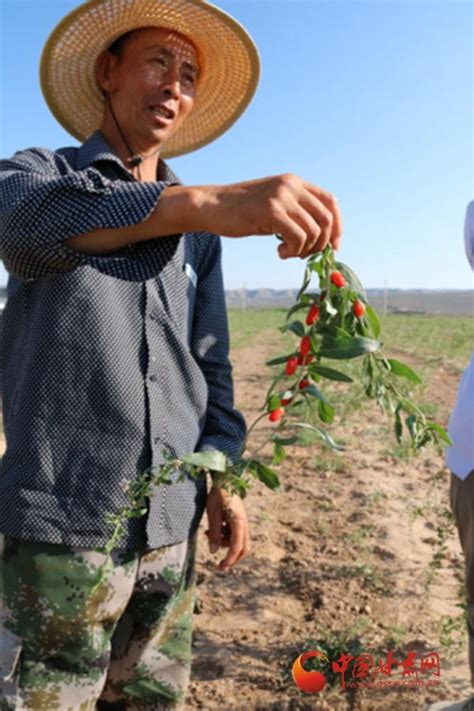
x=228, y=76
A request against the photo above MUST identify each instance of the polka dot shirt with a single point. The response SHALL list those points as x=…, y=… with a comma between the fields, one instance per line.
x=106, y=359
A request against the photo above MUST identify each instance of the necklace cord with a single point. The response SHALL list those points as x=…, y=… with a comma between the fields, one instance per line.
x=135, y=158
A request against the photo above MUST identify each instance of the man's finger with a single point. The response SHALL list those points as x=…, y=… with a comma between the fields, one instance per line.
x=246, y=549
x=215, y=528
x=237, y=535
x=315, y=222
x=331, y=202
x=312, y=228
x=293, y=237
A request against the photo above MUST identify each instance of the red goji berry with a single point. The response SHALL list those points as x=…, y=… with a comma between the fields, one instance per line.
x=305, y=345
x=291, y=365
x=358, y=308
x=276, y=415
x=304, y=384
x=337, y=279
x=313, y=315
x=304, y=360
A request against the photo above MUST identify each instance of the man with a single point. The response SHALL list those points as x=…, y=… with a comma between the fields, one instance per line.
x=116, y=347
x=460, y=460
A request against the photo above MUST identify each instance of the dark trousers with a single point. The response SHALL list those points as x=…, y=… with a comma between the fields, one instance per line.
x=462, y=504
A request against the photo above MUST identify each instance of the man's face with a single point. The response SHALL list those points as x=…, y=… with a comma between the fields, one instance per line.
x=152, y=85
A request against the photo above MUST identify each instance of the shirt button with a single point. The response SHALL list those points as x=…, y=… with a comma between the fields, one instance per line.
x=156, y=440
x=153, y=378
x=153, y=359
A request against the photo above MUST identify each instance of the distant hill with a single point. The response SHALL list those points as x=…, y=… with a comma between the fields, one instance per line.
x=430, y=301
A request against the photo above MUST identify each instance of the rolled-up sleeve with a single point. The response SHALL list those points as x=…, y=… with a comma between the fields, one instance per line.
x=43, y=203
x=225, y=427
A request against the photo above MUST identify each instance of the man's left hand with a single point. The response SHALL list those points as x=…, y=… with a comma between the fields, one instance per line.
x=228, y=526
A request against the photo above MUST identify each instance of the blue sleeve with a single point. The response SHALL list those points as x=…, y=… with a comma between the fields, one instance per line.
x=225, y=426
x=43, y=202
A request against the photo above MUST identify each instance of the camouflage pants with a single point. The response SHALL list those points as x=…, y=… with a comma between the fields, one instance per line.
x=66, y=646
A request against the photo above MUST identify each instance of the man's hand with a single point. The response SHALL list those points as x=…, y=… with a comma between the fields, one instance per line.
x=228, y=526
x=306, y=216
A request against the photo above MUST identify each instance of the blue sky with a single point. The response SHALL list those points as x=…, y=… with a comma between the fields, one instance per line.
x=371, y=100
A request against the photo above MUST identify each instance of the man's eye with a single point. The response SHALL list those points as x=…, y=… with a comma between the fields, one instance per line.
x=160, y=60
x=190, y=78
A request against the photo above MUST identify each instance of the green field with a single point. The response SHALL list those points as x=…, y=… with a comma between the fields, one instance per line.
x=432, y=339
x=429, y=344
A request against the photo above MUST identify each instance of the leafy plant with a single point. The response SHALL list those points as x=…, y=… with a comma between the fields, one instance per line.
x=333, y=330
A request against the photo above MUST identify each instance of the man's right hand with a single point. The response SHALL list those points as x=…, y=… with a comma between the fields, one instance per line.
x=304, y=215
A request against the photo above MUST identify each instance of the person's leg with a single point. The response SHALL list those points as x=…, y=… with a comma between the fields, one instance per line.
x=462, y=504
x=62, y=631
x=150, y=663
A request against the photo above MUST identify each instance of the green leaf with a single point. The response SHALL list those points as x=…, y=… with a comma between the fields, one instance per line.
x=311, y=389
x=209, y=460
x=411, y=425
x=322, y=433
x=373, y=319
x=329, y=373
x=270, y=390
x=279, y=360
x=266, y=475
x=273, y=402
x=398, y=426
x=297, y=328
x=279, y=454
x=317, y=266
x=440, y=431
x=326, y=412
x=340, y=332
x=284, y=440
x=298, y=307
x=306, y=281
x=351, y=278
x=345, y=348
x=402, y=370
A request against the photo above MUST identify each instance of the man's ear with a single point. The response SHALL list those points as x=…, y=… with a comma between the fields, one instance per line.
x=103, y=70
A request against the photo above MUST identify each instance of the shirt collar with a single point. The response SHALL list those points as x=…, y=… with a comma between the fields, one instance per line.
x=96, y=149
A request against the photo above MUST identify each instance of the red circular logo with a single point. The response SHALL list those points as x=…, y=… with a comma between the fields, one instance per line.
x=309, y=681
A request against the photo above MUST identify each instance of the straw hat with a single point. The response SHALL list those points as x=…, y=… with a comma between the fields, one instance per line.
x=229, y=68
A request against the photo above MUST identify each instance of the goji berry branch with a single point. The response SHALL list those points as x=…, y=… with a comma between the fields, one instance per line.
x=340, y=325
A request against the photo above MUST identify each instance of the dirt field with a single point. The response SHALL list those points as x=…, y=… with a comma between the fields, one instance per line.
x=340, y=557
x=339, y=553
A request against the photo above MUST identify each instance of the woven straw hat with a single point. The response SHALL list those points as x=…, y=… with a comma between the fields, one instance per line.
x=229, y=66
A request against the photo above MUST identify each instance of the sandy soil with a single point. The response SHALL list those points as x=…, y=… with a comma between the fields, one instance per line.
x=307, y=543
x=332, y=550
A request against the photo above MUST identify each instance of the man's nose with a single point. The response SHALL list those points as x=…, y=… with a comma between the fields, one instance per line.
x=172, y=84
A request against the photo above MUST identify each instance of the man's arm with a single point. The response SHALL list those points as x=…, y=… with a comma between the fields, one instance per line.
x=306, y=216
x=43, y=202
x=51, y=217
